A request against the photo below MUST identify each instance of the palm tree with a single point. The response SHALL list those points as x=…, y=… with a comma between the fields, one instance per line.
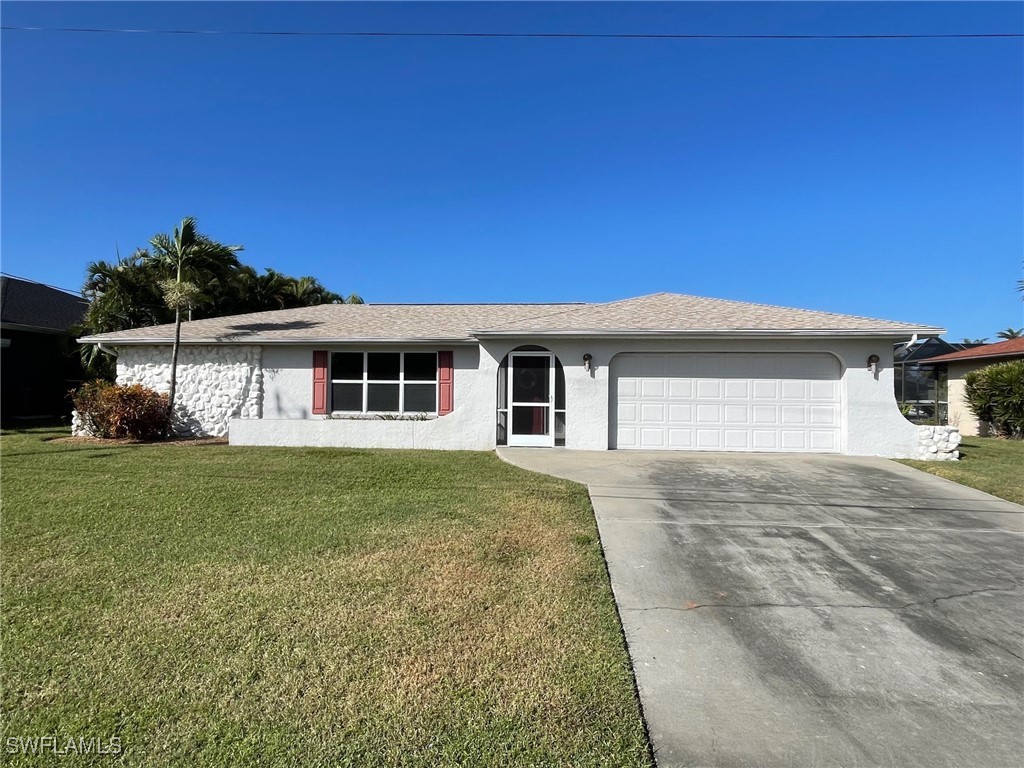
x=193, y=259
x=308, y=291
x=1011, y=333
x=974, y=341
x=122, y=294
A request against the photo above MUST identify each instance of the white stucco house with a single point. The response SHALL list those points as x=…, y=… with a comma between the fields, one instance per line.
x=658, y=372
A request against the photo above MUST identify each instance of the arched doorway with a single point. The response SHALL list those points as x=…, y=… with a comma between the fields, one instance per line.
x=531, y=398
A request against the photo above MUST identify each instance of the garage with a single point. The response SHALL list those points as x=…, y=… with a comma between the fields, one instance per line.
x=726, y=402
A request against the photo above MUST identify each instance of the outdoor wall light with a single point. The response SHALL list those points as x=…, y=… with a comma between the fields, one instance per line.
x=873, y=361
x=587, y=358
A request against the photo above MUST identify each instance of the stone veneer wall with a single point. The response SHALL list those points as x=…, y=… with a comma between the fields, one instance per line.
x=939, y=443
x=215, y=384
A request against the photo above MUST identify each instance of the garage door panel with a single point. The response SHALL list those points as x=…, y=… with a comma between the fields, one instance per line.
x=652, y=413
x=823, y=440
x=709, y=439
x=794, y=440
x=794, y=390
x=680, y=414
x=721, y=401
x=736, y=414
x=737, y=389
x=824, y=415
x=823, y=390
x=651, y=437
x=709, y=389
x=736, y=439
x=709, y=414
x=793, y=414
x=680, y=438
x=680, y=389
x=626, y=437
x=653, y=387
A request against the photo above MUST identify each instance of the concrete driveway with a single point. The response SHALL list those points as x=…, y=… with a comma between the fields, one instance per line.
x=811, y=610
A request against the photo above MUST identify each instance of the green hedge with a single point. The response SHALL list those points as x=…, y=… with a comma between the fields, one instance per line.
x=996, y=395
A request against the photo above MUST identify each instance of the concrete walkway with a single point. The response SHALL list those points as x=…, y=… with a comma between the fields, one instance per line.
x=791, y=610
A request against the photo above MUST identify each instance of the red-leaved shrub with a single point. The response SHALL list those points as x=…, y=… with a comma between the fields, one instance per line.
x=117, y=411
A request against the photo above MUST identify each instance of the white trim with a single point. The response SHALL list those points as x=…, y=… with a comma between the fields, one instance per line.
x=475, y=336
x=546, y=440
x=711, y=333
x=304, y=341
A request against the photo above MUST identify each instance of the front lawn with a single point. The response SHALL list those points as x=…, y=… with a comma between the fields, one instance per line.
x=210, y=605
x=986, y=463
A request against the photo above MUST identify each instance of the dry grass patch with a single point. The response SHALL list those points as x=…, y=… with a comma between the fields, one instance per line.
x=278, y=607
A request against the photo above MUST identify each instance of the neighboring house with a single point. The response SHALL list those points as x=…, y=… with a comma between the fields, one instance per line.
x=959, y=364
x=921, y=385
x=657, y=372
x=39, y=361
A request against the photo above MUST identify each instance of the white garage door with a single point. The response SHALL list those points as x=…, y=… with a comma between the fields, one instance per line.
x=726, y=402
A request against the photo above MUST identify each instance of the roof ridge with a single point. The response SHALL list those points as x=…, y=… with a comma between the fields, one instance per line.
x=591, y=304
x=572, y=309
x=792, y=309
x=574, y=304
x=719, y=300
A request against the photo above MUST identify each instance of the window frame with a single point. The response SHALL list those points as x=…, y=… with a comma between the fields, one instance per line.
x=401, y=381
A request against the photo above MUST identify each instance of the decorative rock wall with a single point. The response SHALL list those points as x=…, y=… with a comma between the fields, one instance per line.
x=939, y=443
x=215, y=383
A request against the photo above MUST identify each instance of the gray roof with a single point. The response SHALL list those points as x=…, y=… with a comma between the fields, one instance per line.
x=664, y=314
x=38, y=306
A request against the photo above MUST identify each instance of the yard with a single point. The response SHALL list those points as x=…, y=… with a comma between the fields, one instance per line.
x=986, y=463
x=211, y=605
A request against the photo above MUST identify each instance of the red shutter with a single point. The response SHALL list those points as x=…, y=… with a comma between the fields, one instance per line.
x=320, y=382
x=445, y=374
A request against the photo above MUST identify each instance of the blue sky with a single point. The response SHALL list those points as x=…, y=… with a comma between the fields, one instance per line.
x=882, y=178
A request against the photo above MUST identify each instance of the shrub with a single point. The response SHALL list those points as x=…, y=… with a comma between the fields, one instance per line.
x=116, y=411
x=996, y=395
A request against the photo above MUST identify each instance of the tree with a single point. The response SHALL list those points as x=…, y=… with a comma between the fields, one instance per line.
x=974, y=341
x=195, y=260
x=129, y=293
x=308, y=291
x=1011, y=333
x=995, y=394
x=123, y=294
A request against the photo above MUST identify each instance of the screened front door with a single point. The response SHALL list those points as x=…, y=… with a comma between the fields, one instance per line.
x=531, y=384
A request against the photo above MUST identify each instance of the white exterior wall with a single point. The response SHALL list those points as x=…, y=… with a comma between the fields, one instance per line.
x=872, y=423
x=267, y=394
x=288, y=397
x=214, y=383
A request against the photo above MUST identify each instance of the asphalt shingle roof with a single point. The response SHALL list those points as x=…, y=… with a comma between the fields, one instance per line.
x=33, y=304
x=663, y=313
x=667, y=312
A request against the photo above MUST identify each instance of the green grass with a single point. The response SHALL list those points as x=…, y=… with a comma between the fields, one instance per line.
x=986, y=463
x=211, y=605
